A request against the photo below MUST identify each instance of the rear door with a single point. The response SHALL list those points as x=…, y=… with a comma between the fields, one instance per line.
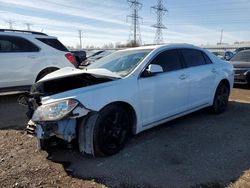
x=202, y=74
x=17, y=57
x=165, y=94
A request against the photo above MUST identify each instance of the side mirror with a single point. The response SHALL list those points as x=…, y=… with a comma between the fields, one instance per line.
x=228, y=55
x=152, y=70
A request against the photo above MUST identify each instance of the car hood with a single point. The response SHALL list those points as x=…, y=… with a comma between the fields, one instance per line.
x=69, y=79
x=240, y=64
x=68, y=71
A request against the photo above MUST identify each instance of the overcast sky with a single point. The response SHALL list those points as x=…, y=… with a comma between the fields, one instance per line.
x=104, y=21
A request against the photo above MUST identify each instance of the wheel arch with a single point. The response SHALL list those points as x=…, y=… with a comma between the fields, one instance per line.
x=224, y=80
x=48, y=69
x=132, y=113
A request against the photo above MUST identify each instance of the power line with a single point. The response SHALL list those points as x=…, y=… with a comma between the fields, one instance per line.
x=135, y=5
x=160, y=10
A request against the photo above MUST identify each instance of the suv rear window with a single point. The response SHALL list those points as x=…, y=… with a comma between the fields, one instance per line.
x=16, y=44
x=54, y=43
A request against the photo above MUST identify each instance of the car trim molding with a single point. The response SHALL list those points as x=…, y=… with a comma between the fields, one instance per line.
x=176, y=115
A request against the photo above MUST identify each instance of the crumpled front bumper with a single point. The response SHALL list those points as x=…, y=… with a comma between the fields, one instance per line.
x=64, y=129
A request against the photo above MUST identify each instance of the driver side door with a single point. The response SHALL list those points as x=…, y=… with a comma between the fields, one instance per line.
x=165, y=94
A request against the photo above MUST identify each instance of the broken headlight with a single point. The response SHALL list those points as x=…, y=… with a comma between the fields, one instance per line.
x=54, y=111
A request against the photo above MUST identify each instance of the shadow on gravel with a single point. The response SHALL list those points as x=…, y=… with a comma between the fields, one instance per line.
x=199, y=150
x=12, y=114
x=240, y=86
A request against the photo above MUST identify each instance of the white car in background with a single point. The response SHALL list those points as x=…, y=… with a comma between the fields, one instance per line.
x=126, y=93
x=26, y=56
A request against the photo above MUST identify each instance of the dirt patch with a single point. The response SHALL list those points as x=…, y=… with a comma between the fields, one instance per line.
x=241, y=93
x=22, y=166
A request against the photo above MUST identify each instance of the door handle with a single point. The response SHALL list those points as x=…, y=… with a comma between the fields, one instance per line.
x=183, y=77
x=213, y=70
x=32, y=56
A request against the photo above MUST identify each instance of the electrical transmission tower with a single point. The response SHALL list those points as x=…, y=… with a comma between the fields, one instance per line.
x=80, y=37
x=28, y=25
x=160, y=11
x=135, y=19
x=11, y=23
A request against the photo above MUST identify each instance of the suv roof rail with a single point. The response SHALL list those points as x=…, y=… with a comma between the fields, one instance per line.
x=23, y=31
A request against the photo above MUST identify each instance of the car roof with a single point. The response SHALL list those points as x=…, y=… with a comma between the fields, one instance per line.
x=154, y=47
x=248, y=50
x=24, y=33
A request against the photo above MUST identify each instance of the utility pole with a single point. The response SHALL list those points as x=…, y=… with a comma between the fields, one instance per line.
x=221, y=37
x=160, y=11
x=11, y=23
x=135, y=5
x=28, y=26
x=80, y=37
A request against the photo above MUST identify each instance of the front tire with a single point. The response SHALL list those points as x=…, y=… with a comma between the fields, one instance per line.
x=111, y=130
x=221, y=98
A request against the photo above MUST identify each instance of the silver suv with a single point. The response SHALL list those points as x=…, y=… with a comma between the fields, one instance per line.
x=26, y=57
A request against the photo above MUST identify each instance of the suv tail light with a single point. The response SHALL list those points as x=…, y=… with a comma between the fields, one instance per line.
x=71, y=58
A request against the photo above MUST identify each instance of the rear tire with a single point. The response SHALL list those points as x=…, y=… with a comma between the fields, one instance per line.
x=111, y=130
x=221, y=98
x=44, y=73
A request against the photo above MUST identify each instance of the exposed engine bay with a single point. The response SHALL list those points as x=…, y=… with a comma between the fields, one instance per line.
x=58, y=85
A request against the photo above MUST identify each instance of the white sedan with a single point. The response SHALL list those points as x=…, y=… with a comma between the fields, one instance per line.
x=126, y=93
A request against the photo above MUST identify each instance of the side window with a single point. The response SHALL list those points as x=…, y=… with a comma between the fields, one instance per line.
x=193, y=57
x=6, y=45
x=54, y=43
x=169, y=60
x=207, y=59
x=16, y=44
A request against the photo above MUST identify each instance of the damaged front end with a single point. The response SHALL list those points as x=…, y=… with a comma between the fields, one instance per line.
x=58, y=118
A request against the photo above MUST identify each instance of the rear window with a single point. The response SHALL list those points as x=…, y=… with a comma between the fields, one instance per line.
x=54, y=43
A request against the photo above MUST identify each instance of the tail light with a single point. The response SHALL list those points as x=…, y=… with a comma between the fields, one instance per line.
x=71, y=58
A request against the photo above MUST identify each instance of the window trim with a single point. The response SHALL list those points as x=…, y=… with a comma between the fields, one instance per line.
x=204, y=54
x=38, y=48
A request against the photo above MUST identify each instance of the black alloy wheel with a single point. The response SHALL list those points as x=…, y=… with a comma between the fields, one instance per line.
x=221, y=98
x=111, y=130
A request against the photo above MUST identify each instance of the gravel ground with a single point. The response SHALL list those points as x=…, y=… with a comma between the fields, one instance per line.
x=198, y=150
x=22, y=166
